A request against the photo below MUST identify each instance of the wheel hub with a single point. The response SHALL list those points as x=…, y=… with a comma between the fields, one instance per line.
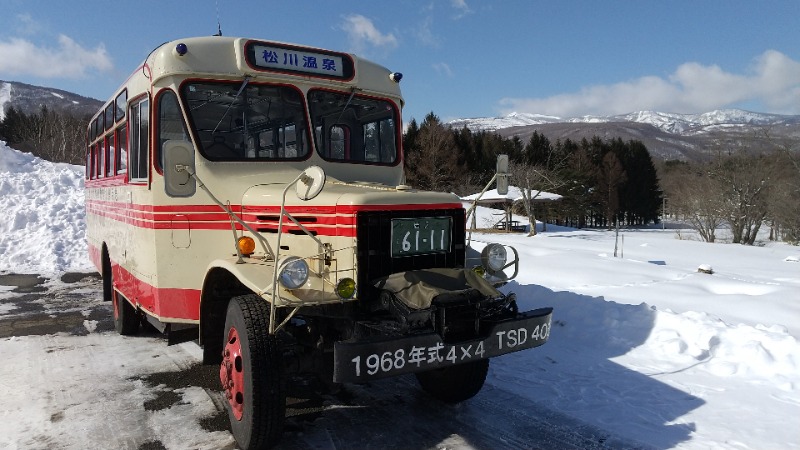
x=231, y=373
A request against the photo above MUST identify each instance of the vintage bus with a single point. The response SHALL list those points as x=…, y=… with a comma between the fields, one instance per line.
x=252, y=192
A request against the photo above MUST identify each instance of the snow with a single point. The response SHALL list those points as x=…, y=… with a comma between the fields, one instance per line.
x=514, y=194
x=682, y=124
x=5, y=97
x=43, y=218
x=643, y=345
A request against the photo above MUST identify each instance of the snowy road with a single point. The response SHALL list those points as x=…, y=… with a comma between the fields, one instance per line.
x=74, y=384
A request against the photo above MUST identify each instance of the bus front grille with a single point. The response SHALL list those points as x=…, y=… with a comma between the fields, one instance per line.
x=374, y=234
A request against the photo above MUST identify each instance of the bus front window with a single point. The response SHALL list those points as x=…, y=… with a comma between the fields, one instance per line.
x=245, y=121
x=353, y=128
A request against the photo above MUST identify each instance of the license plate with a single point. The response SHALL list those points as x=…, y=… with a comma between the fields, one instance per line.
x=420, y=236
x=379, y=358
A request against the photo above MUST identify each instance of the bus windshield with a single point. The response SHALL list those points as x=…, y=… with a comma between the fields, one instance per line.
x=353, y=128
x=243, y=121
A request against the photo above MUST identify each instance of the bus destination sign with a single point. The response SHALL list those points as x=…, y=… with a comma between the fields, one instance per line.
x=299, y=61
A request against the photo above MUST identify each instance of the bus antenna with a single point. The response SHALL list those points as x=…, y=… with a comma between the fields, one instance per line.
x=219, y=27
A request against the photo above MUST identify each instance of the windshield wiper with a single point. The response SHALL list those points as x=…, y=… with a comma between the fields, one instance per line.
x=241, y=88
x=350, y=99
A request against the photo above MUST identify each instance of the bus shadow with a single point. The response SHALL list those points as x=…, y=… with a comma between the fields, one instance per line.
x=567, y=394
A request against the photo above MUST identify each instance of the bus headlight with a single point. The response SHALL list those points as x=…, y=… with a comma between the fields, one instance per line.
x=293, y=272
x=494, y=257
x=346, y=288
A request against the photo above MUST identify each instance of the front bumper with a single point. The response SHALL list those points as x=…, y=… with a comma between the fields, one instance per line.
x=357, y=361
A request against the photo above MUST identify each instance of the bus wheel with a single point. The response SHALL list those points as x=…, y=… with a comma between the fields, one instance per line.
x=251, y=373
x=126, y=318
x=455, y=383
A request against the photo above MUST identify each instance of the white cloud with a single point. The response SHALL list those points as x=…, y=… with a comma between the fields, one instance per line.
x=24, y=24
x=461, y=7
x=443, y=69
x=67, y=60
x=363, y=34
x=424, y=33
x=773, y=83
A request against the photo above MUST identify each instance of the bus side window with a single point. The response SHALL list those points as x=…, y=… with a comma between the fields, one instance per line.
x=119, y=103
x=110, y=150
x=339, y=142
x=102, y=154
x=121, y=156
x=139, y=120
x=379, y=139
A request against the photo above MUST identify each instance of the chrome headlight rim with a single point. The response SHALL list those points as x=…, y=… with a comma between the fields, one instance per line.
x=293, y=272
x=494, y=258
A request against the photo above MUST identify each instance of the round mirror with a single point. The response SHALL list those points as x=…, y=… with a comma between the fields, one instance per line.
x=311, y=183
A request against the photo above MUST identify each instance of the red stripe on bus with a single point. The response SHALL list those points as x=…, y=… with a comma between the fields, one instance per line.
x=325, y=221
x=166, y=303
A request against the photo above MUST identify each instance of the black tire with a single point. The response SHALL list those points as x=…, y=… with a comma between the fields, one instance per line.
x=262, y=397
x=108, y=287
x=126, y=318
x=455, y=384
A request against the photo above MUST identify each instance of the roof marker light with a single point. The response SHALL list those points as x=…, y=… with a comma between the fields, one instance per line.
x=181, y=49
x=396, y=76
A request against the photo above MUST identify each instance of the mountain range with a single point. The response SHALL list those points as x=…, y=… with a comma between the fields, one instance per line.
x=30, y=99
x=667, y=135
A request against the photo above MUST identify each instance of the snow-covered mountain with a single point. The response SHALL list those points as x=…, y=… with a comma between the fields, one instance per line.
x=682, y=124
x=30, y=99
x=666, y=135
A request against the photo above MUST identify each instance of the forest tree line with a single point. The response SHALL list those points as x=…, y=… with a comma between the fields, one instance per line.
x=53, y=135
x=603, y=182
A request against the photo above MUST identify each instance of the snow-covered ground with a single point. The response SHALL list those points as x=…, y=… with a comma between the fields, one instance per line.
x=643, y=345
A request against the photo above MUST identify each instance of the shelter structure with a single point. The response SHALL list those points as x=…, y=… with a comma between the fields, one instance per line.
x=494, y=199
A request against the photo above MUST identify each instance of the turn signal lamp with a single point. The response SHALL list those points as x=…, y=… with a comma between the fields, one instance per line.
x=479, y=270
x=246, y=245
x=346, y=288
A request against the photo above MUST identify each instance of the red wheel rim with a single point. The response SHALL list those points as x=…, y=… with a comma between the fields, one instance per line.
x=231, y=373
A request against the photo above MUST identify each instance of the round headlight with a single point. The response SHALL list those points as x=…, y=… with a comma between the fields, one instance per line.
x=294, y=272
x=346, y=288
x=494, y=257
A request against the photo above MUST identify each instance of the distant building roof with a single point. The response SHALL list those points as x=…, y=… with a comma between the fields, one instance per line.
x=514, y=194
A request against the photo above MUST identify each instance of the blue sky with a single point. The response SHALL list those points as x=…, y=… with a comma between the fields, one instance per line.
x=460, y=58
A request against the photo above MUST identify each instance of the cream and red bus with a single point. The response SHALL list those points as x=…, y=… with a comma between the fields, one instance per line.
x=252, y=192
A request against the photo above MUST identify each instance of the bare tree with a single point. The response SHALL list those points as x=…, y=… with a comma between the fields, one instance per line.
x=532, y=181
x=699, y=199
x=746, y=182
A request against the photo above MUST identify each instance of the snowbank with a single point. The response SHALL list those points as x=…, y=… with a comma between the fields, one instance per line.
x=42, y=229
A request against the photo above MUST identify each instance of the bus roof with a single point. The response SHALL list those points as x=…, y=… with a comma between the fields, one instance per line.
x=224, y=57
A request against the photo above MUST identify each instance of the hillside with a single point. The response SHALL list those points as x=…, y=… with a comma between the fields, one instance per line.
x=29, y=99
x=666, y=135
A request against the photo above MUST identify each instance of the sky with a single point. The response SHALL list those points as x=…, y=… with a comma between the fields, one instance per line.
x=460, y=58
x=643, y=347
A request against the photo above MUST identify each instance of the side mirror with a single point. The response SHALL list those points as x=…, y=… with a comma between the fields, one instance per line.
x=178, y=156
x=502, y=174
x=310, y=183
